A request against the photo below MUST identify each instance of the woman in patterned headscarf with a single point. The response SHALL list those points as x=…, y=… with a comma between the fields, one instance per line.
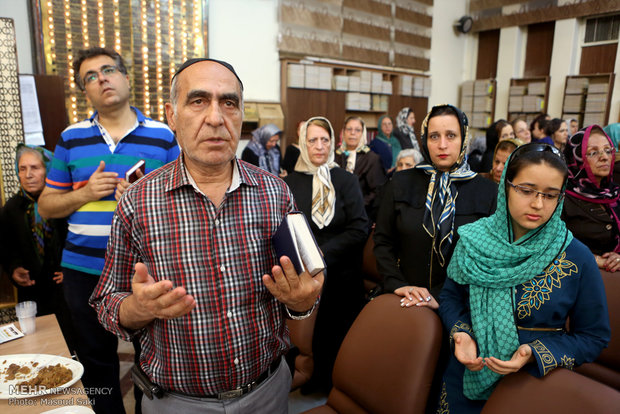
x=422, y=207
x=331, y=200
x=591, y=209
x=264, y=151
x=514, y=280
x=33, y=245
x=404, y=129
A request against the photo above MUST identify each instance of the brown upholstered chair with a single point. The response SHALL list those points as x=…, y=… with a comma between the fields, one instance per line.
x=369, y=264
x=560, y=391
x=606, y=368
x=387, y=360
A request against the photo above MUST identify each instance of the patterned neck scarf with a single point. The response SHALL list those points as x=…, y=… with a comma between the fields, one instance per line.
x=268, y=160
x=323, y=191
x=442, y=193
x=488, y=260
x=405, y=128
x=352, y=154
x=40, y=227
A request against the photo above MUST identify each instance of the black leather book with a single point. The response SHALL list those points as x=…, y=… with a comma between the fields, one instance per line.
x=295, y=240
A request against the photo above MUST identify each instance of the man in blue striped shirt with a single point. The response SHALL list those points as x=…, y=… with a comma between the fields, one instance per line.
x=85, y=180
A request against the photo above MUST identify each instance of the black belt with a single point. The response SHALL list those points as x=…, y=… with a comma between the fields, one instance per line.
x=242, y=390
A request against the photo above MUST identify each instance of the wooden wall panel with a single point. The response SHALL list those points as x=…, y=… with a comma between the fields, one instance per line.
x=539, y=48
x=412, y=39
x=302, y=104
x=488, y=48
x=598, y=59
x=51, y=97
x=369, y=6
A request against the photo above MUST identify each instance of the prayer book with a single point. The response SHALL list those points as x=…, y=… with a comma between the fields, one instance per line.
x=295, y=240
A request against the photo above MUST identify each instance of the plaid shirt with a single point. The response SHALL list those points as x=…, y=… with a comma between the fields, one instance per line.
x=219, y=255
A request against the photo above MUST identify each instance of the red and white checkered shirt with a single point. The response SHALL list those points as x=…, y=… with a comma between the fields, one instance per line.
x=219, y=255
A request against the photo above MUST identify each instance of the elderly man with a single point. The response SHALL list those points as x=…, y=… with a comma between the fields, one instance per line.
x=207, y=296
x=86, y=176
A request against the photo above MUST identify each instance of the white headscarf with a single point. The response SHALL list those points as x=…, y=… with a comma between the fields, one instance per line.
x=352, y=154
x=323, y=191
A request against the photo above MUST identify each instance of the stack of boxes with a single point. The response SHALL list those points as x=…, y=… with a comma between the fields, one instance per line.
x=366, y=90
x=596, y=104
x=482, y=104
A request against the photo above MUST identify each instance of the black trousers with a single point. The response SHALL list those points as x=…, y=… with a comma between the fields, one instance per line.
x=96, y=347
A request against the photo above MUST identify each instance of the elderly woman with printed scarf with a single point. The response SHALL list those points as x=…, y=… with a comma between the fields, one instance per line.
x=355, y=157
x=264, y=151
x=33, y=245
x=591, y=208
x=514, y=281
x=331, y=200
x=421, y=209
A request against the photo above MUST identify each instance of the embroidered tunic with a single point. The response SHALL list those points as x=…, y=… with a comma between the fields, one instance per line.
x=571, y=287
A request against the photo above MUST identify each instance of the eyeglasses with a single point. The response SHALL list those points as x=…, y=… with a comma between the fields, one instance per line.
x=536, y=148
x=357, y=130
x=595, y=153
x=531, y=194
x=106, y=70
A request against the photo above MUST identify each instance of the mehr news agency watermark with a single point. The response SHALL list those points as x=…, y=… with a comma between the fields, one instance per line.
x=51, y=399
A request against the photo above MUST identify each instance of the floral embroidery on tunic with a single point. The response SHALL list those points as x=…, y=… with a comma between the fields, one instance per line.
x=567, y=362
x=537, y=291
x=547, y=360
x=443, y=407
x=458, y=327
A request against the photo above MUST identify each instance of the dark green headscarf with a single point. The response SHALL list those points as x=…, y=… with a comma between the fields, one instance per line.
x=488, y=260
x=41, y=228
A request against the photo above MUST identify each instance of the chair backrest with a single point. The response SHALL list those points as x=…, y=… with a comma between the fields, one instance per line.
x=369, y=263
x=610, y=356
x=561, y=391
x=387, y=360
x=606, y=368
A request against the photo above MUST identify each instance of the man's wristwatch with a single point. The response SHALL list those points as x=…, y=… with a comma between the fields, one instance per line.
x=300, y=316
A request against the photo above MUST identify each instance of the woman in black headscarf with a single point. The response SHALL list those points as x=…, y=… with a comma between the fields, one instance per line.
x=422, y=207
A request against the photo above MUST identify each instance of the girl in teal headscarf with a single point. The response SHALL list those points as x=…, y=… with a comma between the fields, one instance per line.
x=513, y=281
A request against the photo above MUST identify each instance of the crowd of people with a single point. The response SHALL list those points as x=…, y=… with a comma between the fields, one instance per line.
x=505, y=243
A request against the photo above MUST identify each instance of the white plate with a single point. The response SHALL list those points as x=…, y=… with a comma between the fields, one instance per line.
x=7, y=388
x=72, y=409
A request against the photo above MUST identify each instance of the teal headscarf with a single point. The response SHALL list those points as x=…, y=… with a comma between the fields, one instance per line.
x=488, y=260
x=613, y=131
x=392, y=141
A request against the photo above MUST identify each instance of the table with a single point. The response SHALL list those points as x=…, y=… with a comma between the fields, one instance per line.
x=47, y=339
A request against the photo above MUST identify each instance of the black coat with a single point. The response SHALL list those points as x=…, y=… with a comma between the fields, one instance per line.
x=342, y=243
x=370, y=174
x=290, y=158
x=20, y=251
x=591, y=223
x=403, y=248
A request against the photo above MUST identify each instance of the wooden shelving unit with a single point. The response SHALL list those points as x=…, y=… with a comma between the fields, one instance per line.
x=528, y=97
x=587, y=98
x=478, y=102
x=337, y=91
